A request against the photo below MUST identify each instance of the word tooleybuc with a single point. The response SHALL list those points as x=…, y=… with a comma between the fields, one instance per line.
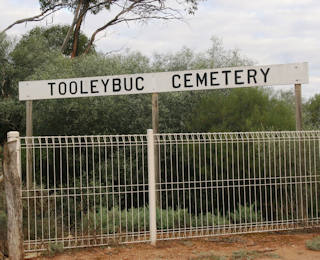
x=94, y=87
x=146, y=83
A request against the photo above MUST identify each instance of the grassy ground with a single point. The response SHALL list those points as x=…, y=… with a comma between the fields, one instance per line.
x=276, y=245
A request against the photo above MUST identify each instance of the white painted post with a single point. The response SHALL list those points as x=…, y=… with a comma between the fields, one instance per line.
x=152, y=188
x=12, y=176
x=11, y=137
x=155, y=128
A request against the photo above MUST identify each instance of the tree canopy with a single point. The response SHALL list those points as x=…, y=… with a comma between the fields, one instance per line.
x=241, y=110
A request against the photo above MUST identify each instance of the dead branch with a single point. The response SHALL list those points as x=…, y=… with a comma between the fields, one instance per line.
x=142, y=11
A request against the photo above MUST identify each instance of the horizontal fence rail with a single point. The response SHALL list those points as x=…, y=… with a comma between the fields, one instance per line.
x=80, y=191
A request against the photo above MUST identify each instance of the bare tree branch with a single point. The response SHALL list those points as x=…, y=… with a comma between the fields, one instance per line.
x=107, y=25
x=142, y=10
x=38, y=17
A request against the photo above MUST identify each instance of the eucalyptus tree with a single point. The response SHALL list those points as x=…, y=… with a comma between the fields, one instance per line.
x=119, y=11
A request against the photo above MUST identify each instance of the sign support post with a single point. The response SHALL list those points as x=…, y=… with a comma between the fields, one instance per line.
x=29, y=118
x=297, y=90
x=29, y=133
x=155, y=128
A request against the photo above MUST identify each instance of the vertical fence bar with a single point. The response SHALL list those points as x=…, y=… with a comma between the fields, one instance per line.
x=152, y=188
x=12, y=178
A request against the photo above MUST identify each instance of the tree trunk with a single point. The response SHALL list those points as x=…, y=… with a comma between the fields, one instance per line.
x=77, y=29
x=13, y=196
x=75, y=18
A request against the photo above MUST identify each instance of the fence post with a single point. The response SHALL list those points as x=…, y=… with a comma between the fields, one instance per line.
x=12, y=179
x=152, y=188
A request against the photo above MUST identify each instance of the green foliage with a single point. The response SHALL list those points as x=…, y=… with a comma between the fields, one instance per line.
x=246, y=214
x=250, y=255
x=185, y=59
x=312, y=112
x=115, y=220
x=208, y=256
x=248, y=109
x=12, y=117
x=169, y=219
x=54, y=36
x=6, y=67
x=39, y=48
x=55, y=248
x=314, y=244
x=26, y=59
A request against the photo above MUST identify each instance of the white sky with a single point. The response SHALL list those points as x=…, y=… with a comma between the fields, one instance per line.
x=266, y=31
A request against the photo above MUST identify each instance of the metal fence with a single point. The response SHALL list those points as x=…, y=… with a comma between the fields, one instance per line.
x=81, y=191
x=226, y=183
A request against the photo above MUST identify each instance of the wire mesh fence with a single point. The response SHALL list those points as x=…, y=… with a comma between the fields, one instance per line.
x=225, y=183
x=82, y=191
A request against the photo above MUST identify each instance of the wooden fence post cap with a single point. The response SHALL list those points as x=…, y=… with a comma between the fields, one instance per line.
x=12, y=135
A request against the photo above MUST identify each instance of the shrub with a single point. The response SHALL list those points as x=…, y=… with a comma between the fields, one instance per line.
x=115, y=220
x=314, y=244
x=55, y=248
x=246, y=214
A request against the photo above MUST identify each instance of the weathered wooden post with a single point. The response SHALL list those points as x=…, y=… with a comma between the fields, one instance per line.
x=155, y=128
x=297, y=90
x=29, y=133
x=12, y=179
x=29, y=127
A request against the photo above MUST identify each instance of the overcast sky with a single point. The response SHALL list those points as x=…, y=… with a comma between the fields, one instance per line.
x=266, y=31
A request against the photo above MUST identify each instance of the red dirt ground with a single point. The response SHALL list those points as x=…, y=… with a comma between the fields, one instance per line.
x=281, y=245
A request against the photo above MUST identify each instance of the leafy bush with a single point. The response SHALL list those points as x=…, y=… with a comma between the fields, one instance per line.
x=246, y=214
x=55, y=248
x=115, y=220
x=314, y=244
x=250, y=255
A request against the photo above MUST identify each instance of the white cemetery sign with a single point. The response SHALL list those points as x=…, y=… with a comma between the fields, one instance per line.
x=209, y=79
